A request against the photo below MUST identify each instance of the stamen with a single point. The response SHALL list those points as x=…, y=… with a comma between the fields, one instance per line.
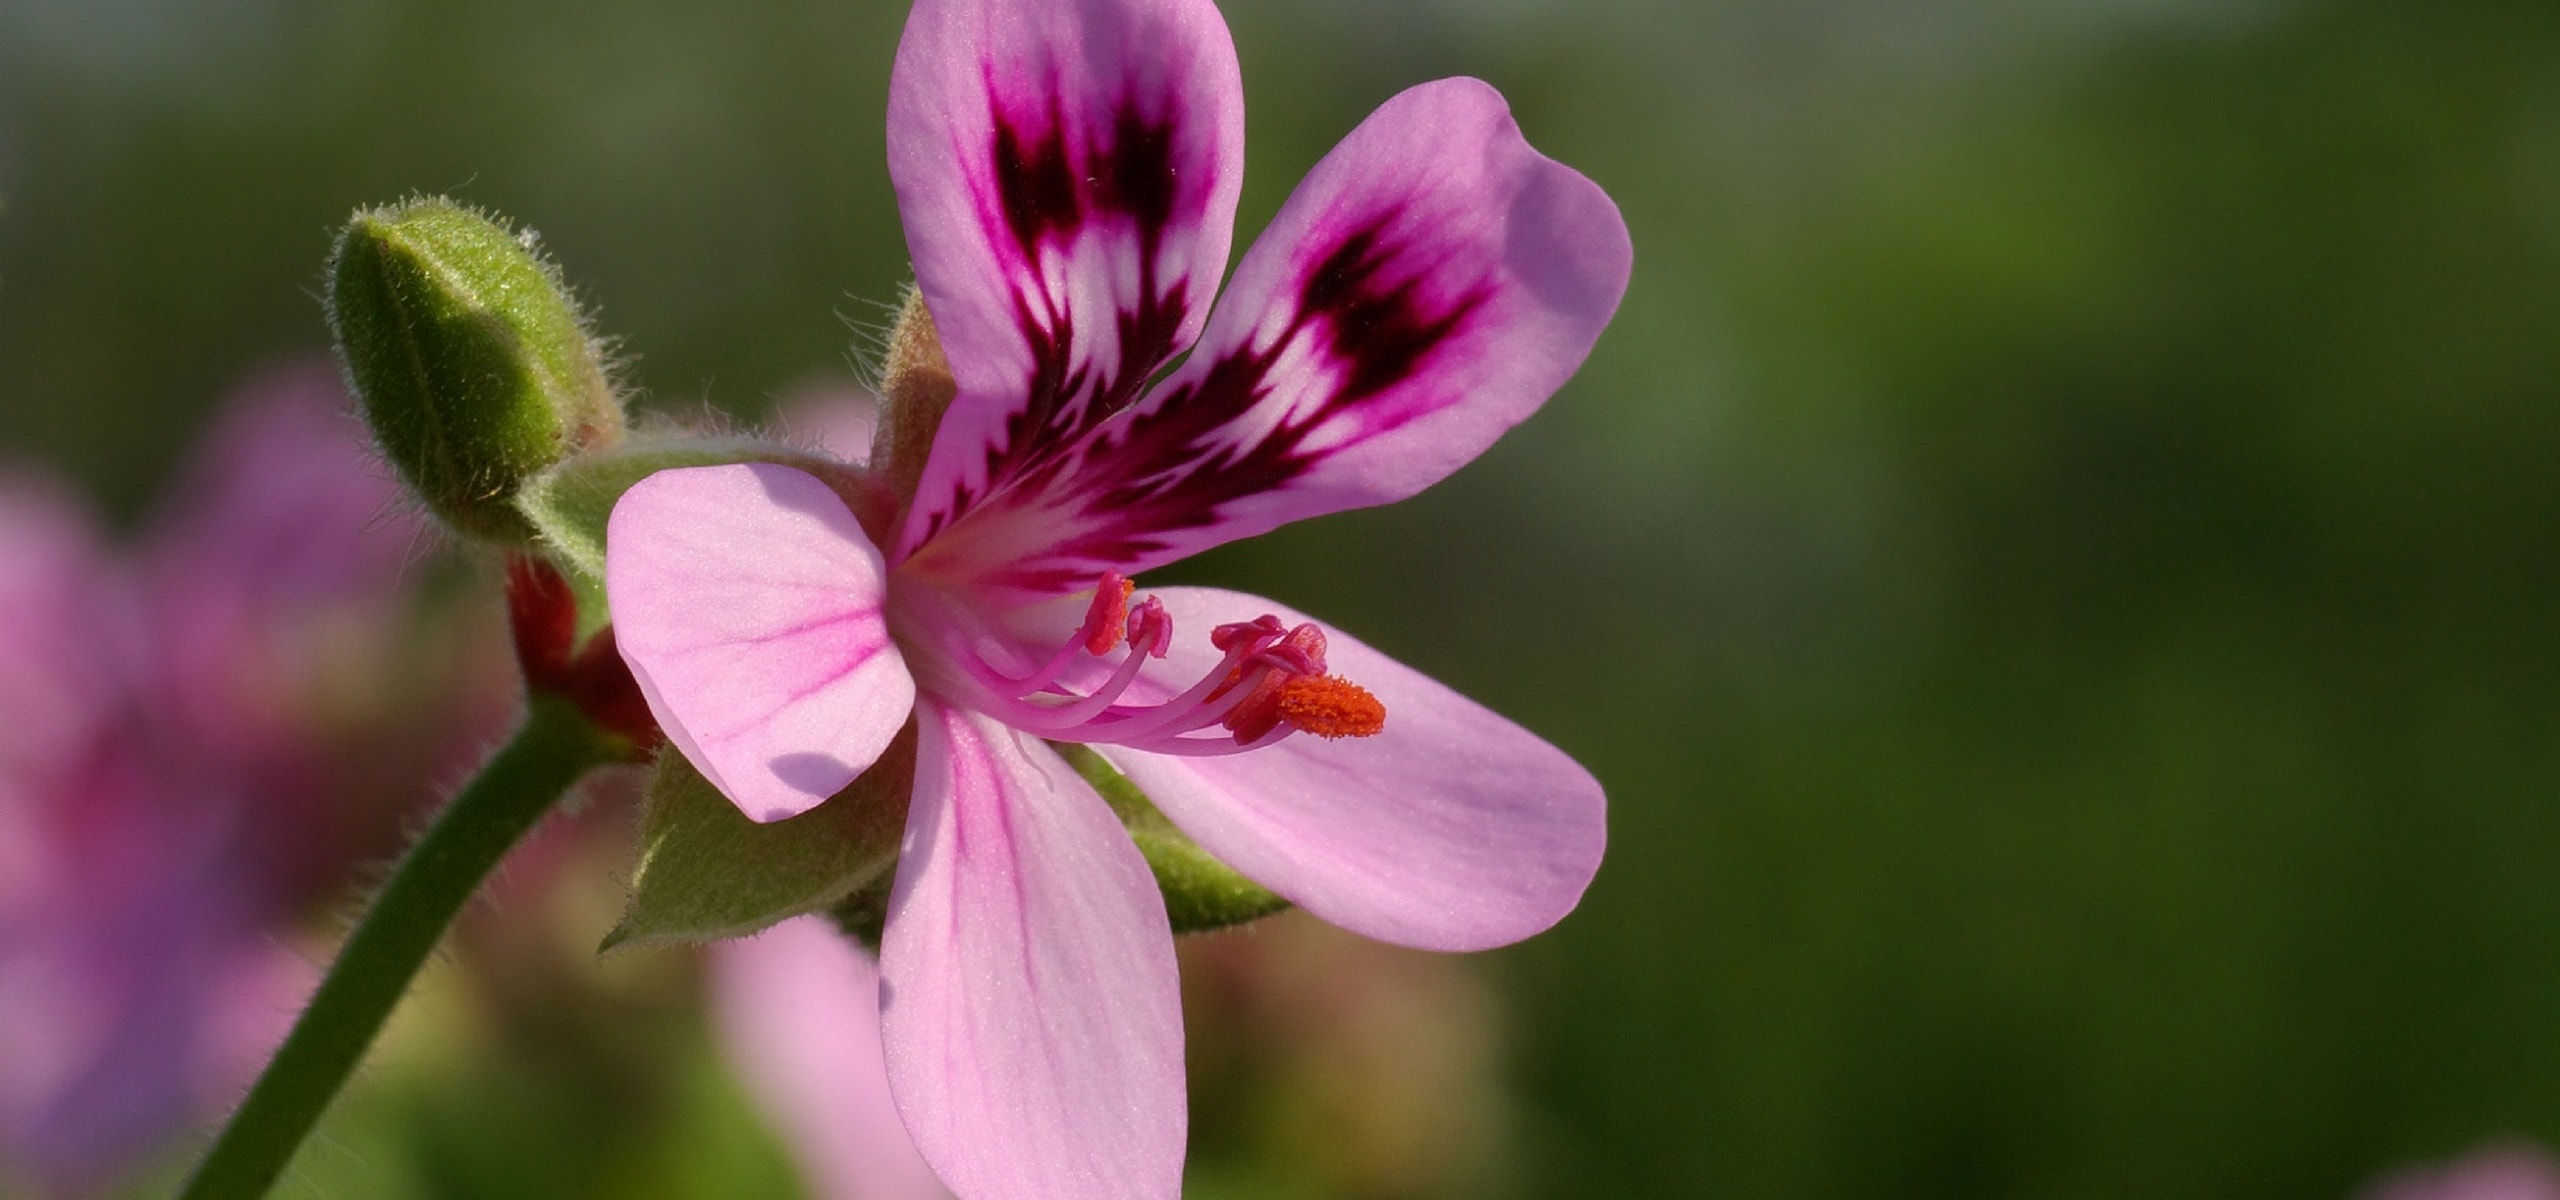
x=1211, y=747
x=1297, y=655
x=1270, y=682
x=1105, y=621
x=1258, y=711
x=1150, y=628
x=1300, y=653
x=1236, y=633
x=1064, y=717
x=1330, y=706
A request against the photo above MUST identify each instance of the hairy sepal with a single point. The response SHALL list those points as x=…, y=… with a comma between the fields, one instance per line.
x=705, y=872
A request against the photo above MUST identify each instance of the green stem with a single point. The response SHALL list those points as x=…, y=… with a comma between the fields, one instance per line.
x=549, y=752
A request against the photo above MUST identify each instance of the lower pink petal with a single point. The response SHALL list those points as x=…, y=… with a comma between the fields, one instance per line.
x=1031, y=1015
x=1453, y=829
x=747, y=601
x=799, y=1011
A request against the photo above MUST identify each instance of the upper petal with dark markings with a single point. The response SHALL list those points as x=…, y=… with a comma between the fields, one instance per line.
x=1067, y=171
x=1428, y=286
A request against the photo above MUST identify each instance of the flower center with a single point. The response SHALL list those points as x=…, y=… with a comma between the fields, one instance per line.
x=1270, y=681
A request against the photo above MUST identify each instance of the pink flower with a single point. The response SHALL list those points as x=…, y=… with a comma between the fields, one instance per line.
x=1068, y=174
x=181, y=774
x=273, y=574
x=128, y=953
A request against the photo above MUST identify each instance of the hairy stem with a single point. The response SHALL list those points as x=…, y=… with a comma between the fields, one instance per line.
x=549, y=752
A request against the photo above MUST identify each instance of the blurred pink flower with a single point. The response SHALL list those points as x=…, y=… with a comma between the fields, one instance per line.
x=59, y=602
x=179, y=776
x=799, y=1013
x=2507, y=1171
x=287, y=651
x=1067, y=172
x=282, y=532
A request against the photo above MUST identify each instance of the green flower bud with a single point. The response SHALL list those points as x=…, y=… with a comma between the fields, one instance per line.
x=468, y=357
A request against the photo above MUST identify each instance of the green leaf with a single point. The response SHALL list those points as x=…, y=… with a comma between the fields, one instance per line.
x=1200, y=893
x=707, y=872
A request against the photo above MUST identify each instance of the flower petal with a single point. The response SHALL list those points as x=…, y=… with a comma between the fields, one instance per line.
x=1033, y=1021
x=1453, y=829
x=748, y=603
x=1431, y=282
x=799, y=1010
x=1067, y=171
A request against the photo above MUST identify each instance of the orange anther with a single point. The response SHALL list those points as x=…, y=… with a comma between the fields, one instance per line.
x=1330, y=706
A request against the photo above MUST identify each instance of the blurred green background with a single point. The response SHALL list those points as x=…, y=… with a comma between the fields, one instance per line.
x=2055, y=561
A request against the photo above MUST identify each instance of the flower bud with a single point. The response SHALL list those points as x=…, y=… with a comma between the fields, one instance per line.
x=467, y=356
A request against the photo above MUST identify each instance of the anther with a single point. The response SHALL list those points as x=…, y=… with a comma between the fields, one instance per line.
x=1299, y=653
x=1236, y=633
x=1330, y=706
x=1285, y=684
x=1105, y=622
x=1150, y=628
x=1270, y=682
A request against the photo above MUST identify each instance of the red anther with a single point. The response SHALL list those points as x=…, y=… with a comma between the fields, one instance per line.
x=1301, y=652
x=1330, y=706
x=1285, y=684
x=1105, y=622
x=1259, y=712
x=1150, y=628
x=1236, y=633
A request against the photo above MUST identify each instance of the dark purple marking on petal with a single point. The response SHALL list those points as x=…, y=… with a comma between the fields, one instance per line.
x=1370, y=306
x=1378, y=331
x=1049, y=188
x=1139, y=178
x=1035, y=180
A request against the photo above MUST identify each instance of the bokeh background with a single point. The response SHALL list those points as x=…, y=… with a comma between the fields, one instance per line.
x=2055, y=562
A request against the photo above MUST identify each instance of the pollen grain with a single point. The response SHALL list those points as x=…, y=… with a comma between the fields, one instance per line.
x=1330, y=706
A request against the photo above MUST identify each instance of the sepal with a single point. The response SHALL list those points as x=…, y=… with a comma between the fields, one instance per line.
x=1200, y=893
x=706, y=872
x=916, y=388
x=467, y=356
x=558, y=659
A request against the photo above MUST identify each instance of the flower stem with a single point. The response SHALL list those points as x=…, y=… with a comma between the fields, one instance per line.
x=549, y=752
